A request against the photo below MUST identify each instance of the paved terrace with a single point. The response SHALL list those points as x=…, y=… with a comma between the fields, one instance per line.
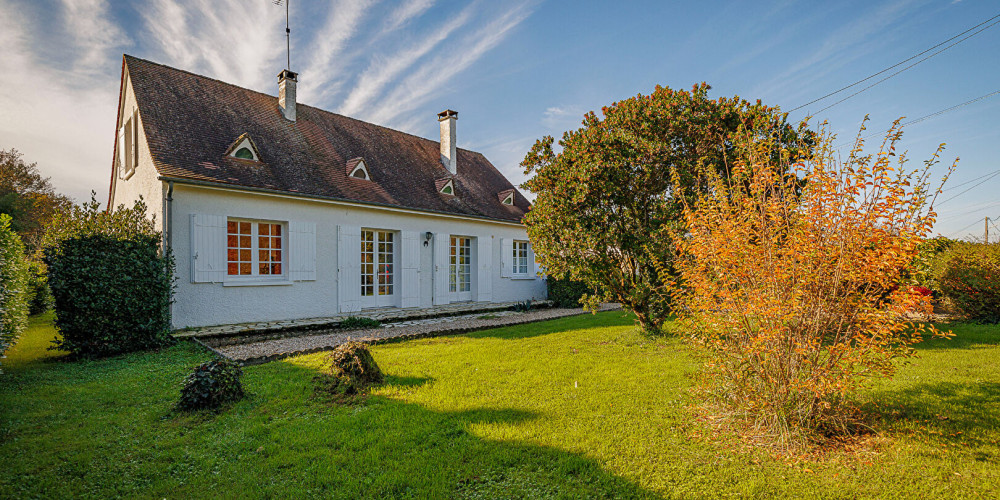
x=385, y=315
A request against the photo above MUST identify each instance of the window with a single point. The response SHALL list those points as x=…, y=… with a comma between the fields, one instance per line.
x=358, y=169
x=509, y=200
x=128, y=139
x=460, y=268
x=448, y=188
x=254, y=248
x=520, y=262
x=244, y=153
x=377, y=248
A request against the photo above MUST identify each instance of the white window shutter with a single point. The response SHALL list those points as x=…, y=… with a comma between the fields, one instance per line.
x=506, y=256
x=302, y=251
x=135, y=139
x=121, y=152
x=208, y=248
x=442, y=249
x=349, y=268
x=484, y=261
x=536, y=270
x=411, y=263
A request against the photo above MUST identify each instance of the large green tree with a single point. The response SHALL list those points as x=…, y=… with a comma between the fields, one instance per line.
x=606, y=199
x=28, y=198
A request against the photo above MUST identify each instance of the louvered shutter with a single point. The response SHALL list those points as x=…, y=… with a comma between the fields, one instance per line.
x=302, y=251
x=208, y=248
x=411, y=263
x=129, y=146
x=506, y=256
x=121, y=152
x=537, y=271
x=484, y=261
x=349, y=268
x=442, y=249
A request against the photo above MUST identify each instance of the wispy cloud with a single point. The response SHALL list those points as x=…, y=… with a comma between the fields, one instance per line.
x=212, y=36
x=562, y=117
x=323, y=72
x=410, y=10
x=415, y=89
x=91, y=34
x=384, y=70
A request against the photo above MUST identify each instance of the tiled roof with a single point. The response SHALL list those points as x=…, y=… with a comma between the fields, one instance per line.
x=190, y=121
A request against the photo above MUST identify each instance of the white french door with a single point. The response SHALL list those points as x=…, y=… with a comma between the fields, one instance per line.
x=378, y=268
x=460, y=269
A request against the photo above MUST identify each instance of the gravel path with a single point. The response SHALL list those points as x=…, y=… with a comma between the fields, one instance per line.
x=270, y=350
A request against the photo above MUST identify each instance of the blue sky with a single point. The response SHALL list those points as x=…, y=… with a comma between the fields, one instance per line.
x=515, y=70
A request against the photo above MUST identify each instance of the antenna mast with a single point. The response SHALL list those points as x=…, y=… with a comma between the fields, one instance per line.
x=288, y=35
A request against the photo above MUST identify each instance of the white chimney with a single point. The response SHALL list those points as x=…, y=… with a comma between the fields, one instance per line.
x=286, y=93
x=449, y=154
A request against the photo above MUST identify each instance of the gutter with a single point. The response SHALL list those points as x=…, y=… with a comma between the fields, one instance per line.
x=168, y=214
x=329, y=199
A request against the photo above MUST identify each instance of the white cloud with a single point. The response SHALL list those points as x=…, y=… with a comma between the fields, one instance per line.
x=415, y=89
x=323, y=72
x=233, y=40
x=62, y=117
x=410, y=10
x=384, y=70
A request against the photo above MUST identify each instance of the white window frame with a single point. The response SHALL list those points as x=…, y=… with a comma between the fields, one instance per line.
x=380, y=280
x=130, y=136
x=255, y=277
x=456, y=268
x=520, y=247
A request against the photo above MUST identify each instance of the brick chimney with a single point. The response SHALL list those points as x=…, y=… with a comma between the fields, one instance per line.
x=286, y=93
x=449, y=153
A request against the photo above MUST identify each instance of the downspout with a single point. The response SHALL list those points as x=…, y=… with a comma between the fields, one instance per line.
x=169, y=216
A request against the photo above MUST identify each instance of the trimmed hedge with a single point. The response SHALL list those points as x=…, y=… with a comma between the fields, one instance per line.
x=13, y=285
x=211, y=385
x=112, y=293
x=970, y=279
x=565, y=292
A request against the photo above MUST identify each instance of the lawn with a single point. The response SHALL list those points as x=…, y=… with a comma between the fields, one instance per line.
x=577, y=407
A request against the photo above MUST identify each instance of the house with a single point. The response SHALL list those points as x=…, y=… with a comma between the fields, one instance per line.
x=277, y=210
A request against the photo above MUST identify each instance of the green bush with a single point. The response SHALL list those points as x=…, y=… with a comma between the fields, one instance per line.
x=970, y=280
x=211, y=385
x=352, y=371
x=565, y=292
x=13, y=285
x=40, y=298
x=112, y=295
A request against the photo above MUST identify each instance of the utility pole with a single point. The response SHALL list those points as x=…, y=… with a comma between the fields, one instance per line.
x=986, y=230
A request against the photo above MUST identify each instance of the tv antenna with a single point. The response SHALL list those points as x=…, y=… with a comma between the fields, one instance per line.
x=288, y=34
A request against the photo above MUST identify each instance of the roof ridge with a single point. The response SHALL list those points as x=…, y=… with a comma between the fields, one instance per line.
x=129, y=56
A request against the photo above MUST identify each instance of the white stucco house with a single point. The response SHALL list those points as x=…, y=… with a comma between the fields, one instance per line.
x=277, y=210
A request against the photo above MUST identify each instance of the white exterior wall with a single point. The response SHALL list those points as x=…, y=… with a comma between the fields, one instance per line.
x=201, y=304
x=144, y=181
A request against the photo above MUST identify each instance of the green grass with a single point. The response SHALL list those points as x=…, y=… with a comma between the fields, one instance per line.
x=578, y=407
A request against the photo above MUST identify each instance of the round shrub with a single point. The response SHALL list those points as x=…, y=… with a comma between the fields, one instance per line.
x=970, y=280
x=13, y=285
x=352, y=371
x=112, y=293
x=565, y=292
x=211, y=385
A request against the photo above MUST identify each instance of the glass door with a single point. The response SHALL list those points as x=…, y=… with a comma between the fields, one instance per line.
x=378, y=252
x=460, y=269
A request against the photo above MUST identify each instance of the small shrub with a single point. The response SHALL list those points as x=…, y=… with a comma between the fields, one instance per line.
x=566, y=292
x=13, y=285
x=211, y=385
x=522, y=306
x=40, y=297
x=352, y=371
x=359, y=322
x=970, y=280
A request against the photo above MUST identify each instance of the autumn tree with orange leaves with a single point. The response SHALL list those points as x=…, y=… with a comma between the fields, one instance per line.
x=791, y=282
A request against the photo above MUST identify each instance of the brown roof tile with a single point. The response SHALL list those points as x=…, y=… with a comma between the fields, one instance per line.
x=190, y=121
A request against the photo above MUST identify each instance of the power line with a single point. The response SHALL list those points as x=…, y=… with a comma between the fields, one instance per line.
x=974, y=186
x=869, y=77
x=932, y=115
x=953, y=233
x=973, y=180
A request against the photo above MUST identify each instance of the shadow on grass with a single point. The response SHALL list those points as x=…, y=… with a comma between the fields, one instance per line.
x=945, y=412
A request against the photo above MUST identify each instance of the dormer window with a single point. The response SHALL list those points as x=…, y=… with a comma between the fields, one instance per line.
x=506, y=197
x=357, y=169
x=244, y=149
x=446, y=186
